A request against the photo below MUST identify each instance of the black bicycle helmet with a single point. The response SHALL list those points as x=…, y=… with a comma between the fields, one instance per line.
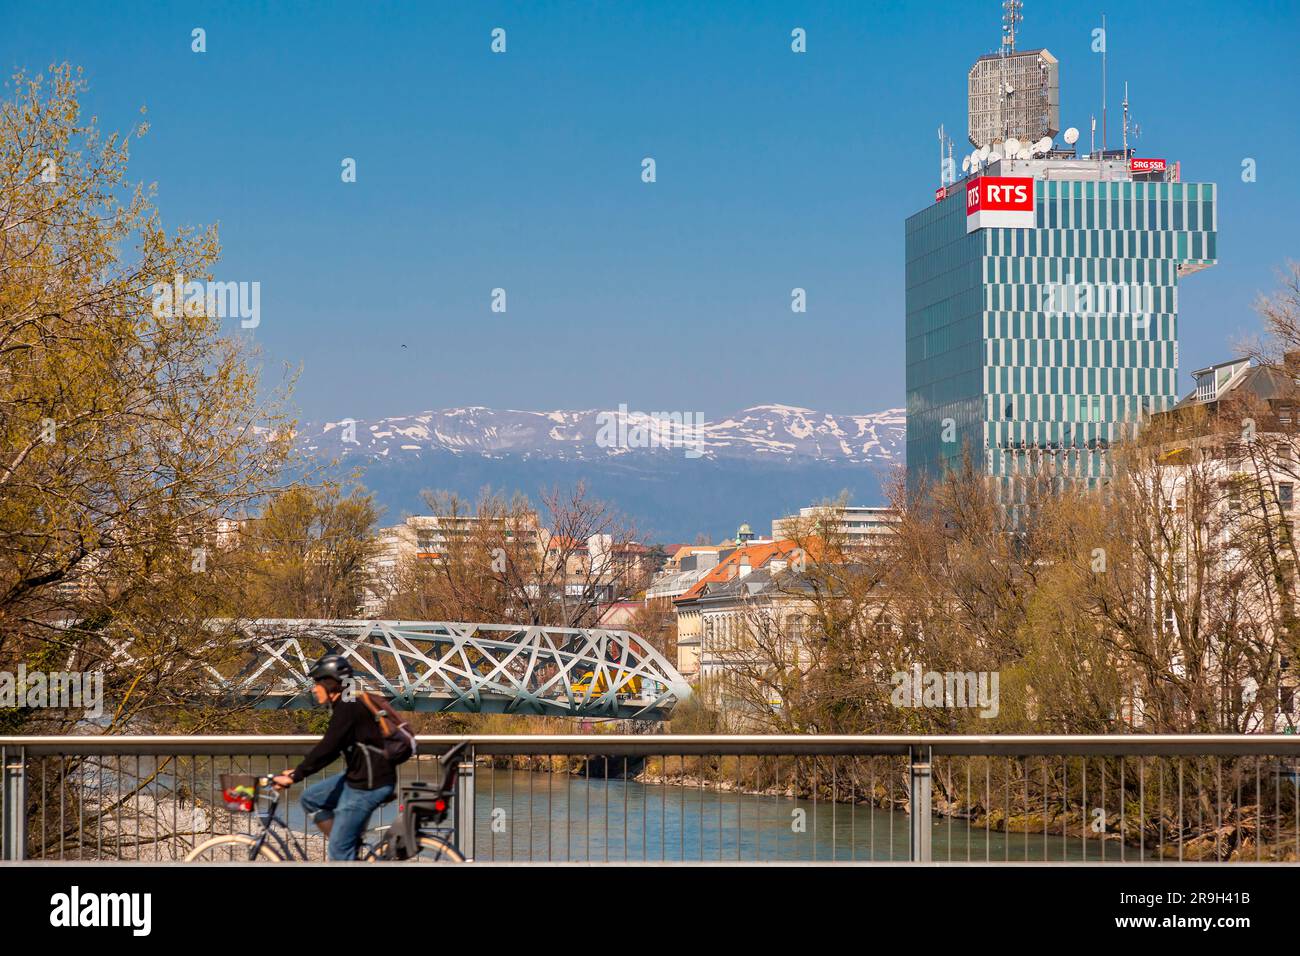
x=333, y=664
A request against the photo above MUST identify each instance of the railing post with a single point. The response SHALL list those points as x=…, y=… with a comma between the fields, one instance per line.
x=13, y=789
x=919, y=762
x=465, y=804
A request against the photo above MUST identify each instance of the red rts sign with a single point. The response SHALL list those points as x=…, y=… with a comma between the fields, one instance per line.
x=1000, y=202
x=999, y=192
x=1146, y=165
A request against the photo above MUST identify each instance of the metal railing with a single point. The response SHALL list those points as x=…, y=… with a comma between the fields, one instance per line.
x=666, y=798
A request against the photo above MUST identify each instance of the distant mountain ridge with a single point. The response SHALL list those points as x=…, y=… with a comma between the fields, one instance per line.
x=780, y=431
x=754, y=465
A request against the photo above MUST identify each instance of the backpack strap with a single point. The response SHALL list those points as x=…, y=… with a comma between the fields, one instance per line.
x=387, y=706
x=378, y=711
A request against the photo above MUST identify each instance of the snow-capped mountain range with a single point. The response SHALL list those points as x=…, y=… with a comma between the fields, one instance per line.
x=675, y=477
x=764, y=432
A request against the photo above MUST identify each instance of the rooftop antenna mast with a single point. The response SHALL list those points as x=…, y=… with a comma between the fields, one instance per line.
x=1137, y=130
x=1105, y=43
x=947, y=172
x=1093, y=145
x=1011, y=15
x=943, y=169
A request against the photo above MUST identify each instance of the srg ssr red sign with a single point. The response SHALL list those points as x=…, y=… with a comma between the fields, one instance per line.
x=1147, y=165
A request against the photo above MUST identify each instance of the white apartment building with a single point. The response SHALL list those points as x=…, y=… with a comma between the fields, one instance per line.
x=1234, y=440
x=426, y=537
x=748, y=625
x=861, y=524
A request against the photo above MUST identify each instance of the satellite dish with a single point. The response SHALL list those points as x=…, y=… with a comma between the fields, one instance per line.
x=965, y=164
x=995, y=156
x=1071, y=135
x=985, y=150
x=1012, y=146
x=1043, y=145
x=1024, y=153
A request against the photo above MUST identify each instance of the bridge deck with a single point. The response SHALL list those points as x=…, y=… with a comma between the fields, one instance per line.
x=449, y=666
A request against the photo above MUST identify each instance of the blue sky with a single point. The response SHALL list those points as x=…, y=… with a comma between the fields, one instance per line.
x=522, y=171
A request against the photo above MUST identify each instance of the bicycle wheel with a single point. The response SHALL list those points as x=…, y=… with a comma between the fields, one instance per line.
x=232, y=847
x=432, y=850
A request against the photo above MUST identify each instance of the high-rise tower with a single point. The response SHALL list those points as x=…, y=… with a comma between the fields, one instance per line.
x=1042, y=305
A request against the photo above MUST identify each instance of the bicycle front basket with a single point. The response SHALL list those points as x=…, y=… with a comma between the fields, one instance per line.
x=239, y=791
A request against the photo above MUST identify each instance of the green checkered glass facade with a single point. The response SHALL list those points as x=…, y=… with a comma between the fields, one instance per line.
x=1047, y=344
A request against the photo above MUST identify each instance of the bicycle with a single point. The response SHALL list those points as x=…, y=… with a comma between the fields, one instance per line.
x=417, y=834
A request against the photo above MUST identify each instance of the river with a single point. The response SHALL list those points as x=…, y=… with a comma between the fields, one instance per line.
x=543, y=816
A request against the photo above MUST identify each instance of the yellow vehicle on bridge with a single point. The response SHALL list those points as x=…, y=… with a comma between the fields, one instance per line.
x=628, y=688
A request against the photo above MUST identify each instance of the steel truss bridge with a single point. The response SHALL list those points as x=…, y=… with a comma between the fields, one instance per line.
x=453, y=667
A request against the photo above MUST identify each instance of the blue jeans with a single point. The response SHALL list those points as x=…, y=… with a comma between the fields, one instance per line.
x=335, y=799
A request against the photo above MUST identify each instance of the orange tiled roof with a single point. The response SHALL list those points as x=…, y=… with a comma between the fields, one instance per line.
x=758, y=555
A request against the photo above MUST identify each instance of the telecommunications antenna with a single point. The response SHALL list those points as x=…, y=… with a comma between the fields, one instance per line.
x=965, y=164
x=1043, y=145
x=985, y=150
x=1025, y=153
x=1071, y=135
x=1012, y=146
x=995, y=156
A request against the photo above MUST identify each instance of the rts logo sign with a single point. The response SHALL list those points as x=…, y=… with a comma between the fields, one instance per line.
x=1000, y=202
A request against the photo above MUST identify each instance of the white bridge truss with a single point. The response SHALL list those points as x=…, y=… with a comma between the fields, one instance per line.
x=455, y=667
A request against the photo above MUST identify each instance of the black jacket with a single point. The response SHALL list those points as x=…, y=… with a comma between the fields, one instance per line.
x=353, y=732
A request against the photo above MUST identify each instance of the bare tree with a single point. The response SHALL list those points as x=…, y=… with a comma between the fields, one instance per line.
x=512, y=563
x=311, y=552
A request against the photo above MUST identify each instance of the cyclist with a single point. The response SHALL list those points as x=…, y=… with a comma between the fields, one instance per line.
x=341, y=805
